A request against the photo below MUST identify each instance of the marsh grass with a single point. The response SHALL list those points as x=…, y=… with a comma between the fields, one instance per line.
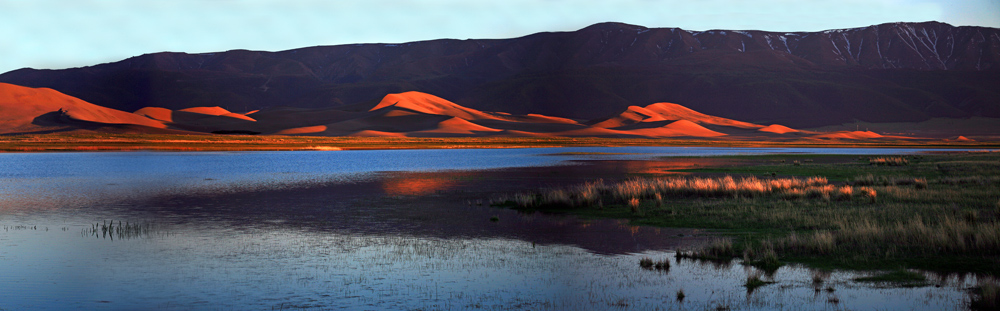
x=889, y=161
x=914, y=216
x=636, y=191
x=985, y=296
x=899, y=278
x=650, y=264
x=754, y=281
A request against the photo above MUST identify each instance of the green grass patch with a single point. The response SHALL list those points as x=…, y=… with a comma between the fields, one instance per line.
x=940, y=212
x=754, y=281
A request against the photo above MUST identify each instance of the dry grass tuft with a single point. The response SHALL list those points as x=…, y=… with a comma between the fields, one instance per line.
x=634, y=192
x=888, y=161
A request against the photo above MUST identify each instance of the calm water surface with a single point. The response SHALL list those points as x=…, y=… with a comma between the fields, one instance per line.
x=370, y=230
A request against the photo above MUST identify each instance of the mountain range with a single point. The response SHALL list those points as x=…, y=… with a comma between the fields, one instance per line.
x=898, y=72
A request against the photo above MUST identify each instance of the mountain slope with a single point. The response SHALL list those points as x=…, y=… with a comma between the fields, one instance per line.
x=900, y=72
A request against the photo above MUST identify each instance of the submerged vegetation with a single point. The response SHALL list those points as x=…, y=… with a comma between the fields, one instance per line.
x=938, y=212
x=121, y=230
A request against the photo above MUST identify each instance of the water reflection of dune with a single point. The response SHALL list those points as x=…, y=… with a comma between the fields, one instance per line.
x=420, y=183
x=670, y=166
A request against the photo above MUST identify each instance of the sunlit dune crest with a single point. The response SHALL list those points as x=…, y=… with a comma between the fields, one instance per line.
x=156, y=113
x=668, y=112
x=429, y=104
x=302, y=130
x=370, y=133
x=214, y=111
x=778, y=129
x=594, y=132
x=547, y=119
x=238, y=116
x=849, y=135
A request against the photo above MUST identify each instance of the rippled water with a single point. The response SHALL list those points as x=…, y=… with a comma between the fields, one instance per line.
x=375, y=230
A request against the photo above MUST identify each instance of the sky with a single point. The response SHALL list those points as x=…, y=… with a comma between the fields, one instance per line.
x=54, y=34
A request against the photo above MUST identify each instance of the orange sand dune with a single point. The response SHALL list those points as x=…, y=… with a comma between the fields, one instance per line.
x=214, y=111
x=778, y=129
x=410, y=114
x=24, y=109
x=370, y=133
x=531, y=117
x=167, y=115
x=682, y=128
x=238, y=116
x=516, y=133
x=668, y=112
x=457, y=126
x=391, y=120
x=302, y=130
x=849, y=135
x=595, y=132
x=156, y=113
x=430, y=104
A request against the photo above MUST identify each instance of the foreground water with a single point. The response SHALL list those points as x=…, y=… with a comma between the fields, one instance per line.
x=375, y=230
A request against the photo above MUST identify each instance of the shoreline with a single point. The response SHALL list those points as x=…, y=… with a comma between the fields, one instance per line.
x=180, y=143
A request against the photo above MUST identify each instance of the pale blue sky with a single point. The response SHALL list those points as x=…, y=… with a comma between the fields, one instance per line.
x=71, y=33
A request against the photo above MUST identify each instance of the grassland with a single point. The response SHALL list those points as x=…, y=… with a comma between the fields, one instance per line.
x=936, y=211
x=165, y=142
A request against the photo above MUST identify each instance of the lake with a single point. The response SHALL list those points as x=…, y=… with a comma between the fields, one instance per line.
x=373, y=230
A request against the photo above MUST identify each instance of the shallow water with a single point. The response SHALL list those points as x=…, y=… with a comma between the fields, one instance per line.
x=369, y=230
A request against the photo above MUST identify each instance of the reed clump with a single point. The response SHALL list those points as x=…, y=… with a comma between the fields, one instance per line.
x=867, y=241
x=985, y=296
x=888, y=161
x=634, y=191
x=650, y=264
x=872, y=180
x=121, y=230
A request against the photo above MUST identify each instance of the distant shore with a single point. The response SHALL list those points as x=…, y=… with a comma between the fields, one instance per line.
x=152, y=142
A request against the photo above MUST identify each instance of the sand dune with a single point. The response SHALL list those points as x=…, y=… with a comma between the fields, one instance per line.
x=410, y=114
x=238, y=116
x=430, y=104
x=456, y=126
x=531, y=117
x=302, y=130
x=370, y=133
x=214, y=111
x=668, y=112
x=24, y=109
x=156, y=113
x=681, y=128
x=778, y=129
x=849, y=135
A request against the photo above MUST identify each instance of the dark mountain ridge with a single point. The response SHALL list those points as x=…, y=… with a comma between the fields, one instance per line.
x=899, y=72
